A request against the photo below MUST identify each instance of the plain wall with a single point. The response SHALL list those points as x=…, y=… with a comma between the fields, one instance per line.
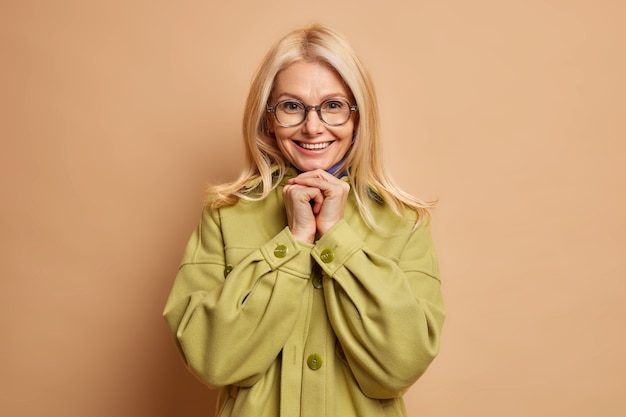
x=115, y=114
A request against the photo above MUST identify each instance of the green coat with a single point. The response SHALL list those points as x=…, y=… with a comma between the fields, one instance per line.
x=339, y=328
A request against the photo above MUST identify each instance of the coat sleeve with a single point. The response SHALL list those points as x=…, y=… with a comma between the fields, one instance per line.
x=387, y=313
x=230, y=330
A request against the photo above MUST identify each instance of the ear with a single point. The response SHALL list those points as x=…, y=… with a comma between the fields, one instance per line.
x=269, y=123
x=267, y=126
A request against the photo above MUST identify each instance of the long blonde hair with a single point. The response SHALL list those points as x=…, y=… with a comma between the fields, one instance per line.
x=266, y=165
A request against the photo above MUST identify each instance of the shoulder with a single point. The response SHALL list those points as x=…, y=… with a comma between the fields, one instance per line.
x=248, y=221
x=384, y=211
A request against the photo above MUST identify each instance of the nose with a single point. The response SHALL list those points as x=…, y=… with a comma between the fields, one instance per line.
x=312, y=125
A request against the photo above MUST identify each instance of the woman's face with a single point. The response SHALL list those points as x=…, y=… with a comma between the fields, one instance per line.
x=312, y=144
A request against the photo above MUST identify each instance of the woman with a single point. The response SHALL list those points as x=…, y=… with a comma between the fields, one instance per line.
x=311, y=286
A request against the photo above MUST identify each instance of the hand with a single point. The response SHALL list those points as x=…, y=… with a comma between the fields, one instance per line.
x=315, y=202
x=300, y=203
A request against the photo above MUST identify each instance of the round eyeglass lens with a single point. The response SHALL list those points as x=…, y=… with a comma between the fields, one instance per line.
x=290, y=112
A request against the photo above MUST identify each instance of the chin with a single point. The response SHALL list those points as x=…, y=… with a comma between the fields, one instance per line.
x=311, y=167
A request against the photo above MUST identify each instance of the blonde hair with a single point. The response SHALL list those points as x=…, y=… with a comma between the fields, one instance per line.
x=266, y=165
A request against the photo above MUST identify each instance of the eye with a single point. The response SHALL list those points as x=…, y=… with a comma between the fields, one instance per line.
x=334, y=105
x=290, y=106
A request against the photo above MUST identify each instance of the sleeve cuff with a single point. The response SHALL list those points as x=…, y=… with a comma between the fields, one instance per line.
x=333, y=249
x=284, y=251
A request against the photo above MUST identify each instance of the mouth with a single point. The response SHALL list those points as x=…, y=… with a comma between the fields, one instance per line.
x=314, y=146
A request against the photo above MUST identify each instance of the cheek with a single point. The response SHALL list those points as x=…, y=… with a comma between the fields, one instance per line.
x=282, y=146
x=348, y=134
x=282, y=142
x=279, y=135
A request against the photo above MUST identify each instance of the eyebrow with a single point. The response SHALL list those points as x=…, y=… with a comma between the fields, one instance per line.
x=324, y=98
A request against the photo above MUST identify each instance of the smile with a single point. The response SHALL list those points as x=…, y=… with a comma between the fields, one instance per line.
x=314, y=146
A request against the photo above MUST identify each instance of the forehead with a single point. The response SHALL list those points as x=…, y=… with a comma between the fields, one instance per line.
x=309, y=80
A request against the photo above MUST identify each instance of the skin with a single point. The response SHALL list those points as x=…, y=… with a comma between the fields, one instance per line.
x=314, y=200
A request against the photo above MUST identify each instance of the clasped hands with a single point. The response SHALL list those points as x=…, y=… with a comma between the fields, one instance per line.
x=315, y=201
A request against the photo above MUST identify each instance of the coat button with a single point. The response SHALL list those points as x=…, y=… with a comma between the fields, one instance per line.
x=227, y=270
x=318, y=281
x=327, y=256
x=280, y=251
x=314, y=362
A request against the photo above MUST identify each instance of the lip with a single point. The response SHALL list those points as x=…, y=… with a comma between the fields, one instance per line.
x=314, y=148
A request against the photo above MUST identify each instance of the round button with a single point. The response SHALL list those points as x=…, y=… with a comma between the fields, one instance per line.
x=280, y=251
x=227, y=270
x=314, y=362
x=327, y=256
x=318, y=281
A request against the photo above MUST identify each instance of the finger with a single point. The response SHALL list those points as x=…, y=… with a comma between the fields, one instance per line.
x=318, y=173
x=324, y=183
x=317, y=201
x=300, y=194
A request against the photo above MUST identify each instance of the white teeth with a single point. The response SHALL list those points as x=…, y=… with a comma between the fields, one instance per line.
x=314, y=146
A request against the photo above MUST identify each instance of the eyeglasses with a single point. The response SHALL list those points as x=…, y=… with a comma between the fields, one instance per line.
x=332, y=112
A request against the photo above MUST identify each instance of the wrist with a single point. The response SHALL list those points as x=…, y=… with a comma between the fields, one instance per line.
x=303, y=236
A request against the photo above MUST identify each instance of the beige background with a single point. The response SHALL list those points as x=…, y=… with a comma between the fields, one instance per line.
x=116, y=113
